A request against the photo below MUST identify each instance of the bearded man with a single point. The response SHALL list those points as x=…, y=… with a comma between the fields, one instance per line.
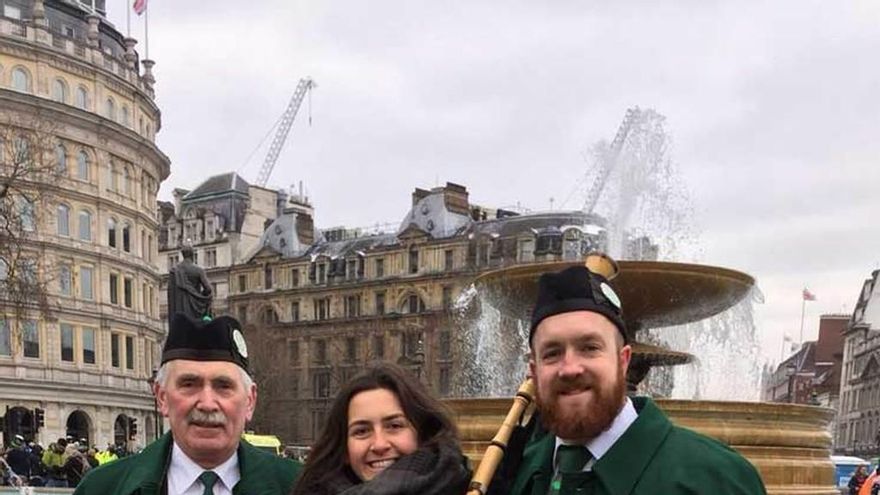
x=205, y=390
x=598, y=440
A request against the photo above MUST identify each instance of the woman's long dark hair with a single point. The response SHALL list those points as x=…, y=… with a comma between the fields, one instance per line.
x=329, y=454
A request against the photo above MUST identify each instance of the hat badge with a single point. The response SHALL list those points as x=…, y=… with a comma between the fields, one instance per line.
x=240, y=344
x=610, y=294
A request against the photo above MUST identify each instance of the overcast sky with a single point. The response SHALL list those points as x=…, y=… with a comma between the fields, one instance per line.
x=773, y=108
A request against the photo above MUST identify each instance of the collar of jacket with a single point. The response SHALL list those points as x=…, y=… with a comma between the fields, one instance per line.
x=620, y=468
x=148, y=474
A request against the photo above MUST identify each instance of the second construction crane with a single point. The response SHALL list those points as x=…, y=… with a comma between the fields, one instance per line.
x=302, y=89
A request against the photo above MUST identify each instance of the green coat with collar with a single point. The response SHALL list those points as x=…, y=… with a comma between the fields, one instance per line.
x=144, y=474
x=652, y=457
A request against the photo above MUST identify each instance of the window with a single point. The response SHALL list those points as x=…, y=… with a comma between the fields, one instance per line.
x=85, y=225
x=129, y=352
x=126, y=190
x=242, y=314
x=172, y=260
x=12, y=12
x=59, y=91
x=447, y=297
x=82, y=98
x=413, y=260
x=26, y=214
x=31, y=339
x=378, y=347
x=210, y=258
x=111, y=232
x=380, y=267
x=63, y=222
x=320, y=352
x=110, y=109
x=110, y=179
x=448, y=261
x=353, y=306
x=114, y=288
x=66, y=342
x=380, y=303
x=350, y=349
x=322, y=273
x=88, y=345
x=443, y=381
x=322, y=308
x=411, y=343
x=85, y=283
x=415, y=304
x=64, y=281
x=445, y=345
x=126, y=237
x=128, y=293
x=294, y=277
x=268, y=316
x=114, y=350
x=322, y=385
x=21, y=81
x=267, y=276
x=351, y=270
x=126, y=119
x=61, y=159
x=5, y=340
x=294, y=311
x=82, y=166
x=4, y=272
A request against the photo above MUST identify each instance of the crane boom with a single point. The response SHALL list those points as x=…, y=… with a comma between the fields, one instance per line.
x=304, y=86
x=610, y=159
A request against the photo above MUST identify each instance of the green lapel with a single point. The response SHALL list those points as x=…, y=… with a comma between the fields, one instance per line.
x=536, y=468
x=263, y=474
x=147, y=469
x=620, y=468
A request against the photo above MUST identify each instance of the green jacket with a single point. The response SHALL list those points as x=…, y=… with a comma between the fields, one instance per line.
x=144, y=474
x=652, y=457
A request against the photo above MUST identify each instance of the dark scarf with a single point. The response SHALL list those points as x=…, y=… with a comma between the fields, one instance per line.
x=431, y=470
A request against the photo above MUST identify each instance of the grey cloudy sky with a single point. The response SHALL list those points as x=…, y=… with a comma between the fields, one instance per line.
x=773, y=108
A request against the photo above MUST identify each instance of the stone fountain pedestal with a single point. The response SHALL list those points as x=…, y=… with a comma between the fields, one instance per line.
x=789, y=444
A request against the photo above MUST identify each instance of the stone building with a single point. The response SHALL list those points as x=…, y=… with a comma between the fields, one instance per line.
x=84, y=359
x=858, y=429
x=223, y=220
x=320, y=307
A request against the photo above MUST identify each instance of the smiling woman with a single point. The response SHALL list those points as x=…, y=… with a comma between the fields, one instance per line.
x=384, y=435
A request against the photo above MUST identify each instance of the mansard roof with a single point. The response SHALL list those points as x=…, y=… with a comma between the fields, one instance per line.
x=218, y=185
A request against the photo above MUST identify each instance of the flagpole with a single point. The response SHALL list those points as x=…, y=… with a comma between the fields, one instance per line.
x=803, y=307
x=127, y=18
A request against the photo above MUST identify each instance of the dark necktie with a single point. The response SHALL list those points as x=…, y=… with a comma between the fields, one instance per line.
x=572, y=458
x=209, y=479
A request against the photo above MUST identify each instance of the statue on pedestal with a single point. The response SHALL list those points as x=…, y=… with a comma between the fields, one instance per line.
x=189, y=291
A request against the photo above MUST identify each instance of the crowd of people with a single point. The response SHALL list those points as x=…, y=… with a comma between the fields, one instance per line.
x=61, y=465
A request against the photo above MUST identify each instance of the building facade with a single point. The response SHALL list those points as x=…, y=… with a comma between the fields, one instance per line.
x=858, y=429
x=81, y=359
x=320, y=307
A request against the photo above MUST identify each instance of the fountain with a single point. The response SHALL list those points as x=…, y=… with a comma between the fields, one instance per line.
x=788, y=444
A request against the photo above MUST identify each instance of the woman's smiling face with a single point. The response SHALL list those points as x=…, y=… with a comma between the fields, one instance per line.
x=378, y=432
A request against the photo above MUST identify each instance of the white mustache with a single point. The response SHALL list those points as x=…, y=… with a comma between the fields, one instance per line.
x=200, y=418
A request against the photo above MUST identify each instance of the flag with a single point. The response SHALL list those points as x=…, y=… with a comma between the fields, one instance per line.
x=140, y=6
x=809, y=296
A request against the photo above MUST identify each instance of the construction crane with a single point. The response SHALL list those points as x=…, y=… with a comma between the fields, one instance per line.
x=305, y=85
x=609, y=160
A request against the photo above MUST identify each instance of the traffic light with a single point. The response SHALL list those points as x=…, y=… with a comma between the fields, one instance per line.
x=132, y=427
x=39, y=418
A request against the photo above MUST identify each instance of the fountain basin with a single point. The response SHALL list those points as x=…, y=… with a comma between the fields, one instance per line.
x=789, y=444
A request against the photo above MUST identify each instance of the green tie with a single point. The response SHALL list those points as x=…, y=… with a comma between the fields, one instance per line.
x=208, y=478
x=572, y=458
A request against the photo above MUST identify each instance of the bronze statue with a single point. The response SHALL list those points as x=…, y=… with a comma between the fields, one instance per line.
x=189, y=291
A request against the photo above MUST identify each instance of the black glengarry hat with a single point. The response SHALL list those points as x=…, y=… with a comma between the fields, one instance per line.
x=576, y=289
x=217, y=340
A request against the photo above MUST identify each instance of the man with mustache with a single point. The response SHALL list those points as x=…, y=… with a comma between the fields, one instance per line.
x=598, y=440
x=205, y=390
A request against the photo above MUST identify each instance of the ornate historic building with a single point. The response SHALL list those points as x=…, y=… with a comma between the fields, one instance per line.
x=320, y=307
x=84, y=359
x=858, y=428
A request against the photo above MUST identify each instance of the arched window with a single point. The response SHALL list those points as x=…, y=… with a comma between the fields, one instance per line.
x=126, y=119
x=111, y=177
x=61, y=159
x=85, y=225
x=63, y=220
x=110, y=109
x=413, y=304
x=59, y=91
x=111, y=232
x=26, y=214
x=82, y=98
x=126, y=237
x=21, y=80
x=82, y=166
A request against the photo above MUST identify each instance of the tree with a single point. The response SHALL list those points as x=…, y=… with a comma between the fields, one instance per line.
x=29, y=173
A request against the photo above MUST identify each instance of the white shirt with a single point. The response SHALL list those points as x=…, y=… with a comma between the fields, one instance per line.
x=183, y=475
x=600, y=445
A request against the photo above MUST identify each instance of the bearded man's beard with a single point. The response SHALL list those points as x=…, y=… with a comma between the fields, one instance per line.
x=587, y=421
